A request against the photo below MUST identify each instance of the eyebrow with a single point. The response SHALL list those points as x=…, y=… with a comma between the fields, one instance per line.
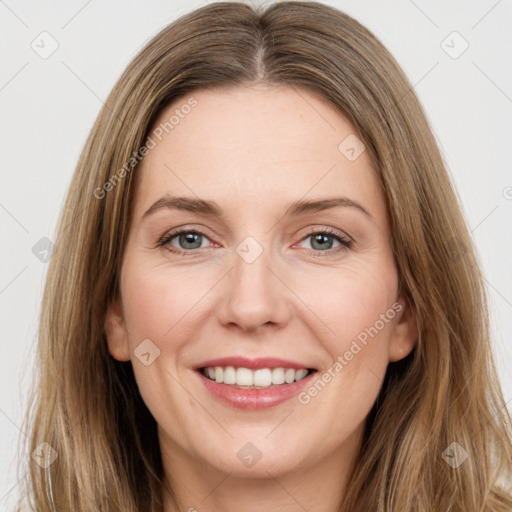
x=212, y=209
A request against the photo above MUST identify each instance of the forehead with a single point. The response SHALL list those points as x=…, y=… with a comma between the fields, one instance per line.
x=256, y=146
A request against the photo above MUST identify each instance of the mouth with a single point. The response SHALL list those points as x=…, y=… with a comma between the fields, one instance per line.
x=261, y=378
x=254, y=383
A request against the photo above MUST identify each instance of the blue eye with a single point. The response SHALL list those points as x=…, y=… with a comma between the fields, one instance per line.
x=323, y=241
x=188, y=240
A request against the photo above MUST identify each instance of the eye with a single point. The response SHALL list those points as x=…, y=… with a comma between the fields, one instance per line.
x=323, y=240
x=186, y=240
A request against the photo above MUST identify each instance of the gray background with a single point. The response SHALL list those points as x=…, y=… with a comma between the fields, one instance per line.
x=48, y=106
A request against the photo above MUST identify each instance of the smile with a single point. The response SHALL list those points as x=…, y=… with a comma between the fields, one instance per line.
x=246, y=378
x=253, y=384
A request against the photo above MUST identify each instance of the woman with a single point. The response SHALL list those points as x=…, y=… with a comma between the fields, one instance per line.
x=263, y=294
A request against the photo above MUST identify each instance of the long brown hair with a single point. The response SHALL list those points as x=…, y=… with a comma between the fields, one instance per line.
x=86, y=405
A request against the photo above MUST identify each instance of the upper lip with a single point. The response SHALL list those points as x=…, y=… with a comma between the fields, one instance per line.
x=244, y=362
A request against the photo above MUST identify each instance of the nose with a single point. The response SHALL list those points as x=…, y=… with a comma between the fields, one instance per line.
x=254, y=295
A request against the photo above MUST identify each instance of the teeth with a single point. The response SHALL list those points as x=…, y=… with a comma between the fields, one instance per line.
x=278, y=376
x=244, y=376
x=261, y=378
x=289, y=375
x=229, y=375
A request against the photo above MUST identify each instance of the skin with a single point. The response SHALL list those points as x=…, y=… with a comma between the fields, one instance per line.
x=254, y=150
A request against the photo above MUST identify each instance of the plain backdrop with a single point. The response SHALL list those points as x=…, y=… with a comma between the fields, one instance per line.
x=456, y=54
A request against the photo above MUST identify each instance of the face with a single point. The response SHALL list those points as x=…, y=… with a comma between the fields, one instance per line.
x=273, y=286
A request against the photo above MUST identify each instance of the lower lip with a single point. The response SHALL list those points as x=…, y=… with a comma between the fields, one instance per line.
x=254, y=399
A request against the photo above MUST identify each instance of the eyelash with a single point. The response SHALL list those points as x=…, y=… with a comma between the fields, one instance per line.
x=345, y=242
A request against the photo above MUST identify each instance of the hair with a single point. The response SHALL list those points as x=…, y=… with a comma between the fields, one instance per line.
x=87, y=406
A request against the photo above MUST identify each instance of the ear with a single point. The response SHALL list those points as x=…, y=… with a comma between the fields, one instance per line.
x=405, y=330
x=116, y=332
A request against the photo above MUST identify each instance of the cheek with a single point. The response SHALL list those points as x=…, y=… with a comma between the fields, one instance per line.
x=156, y=301
x=355, y=306
x=359, y=310
x=158, y=305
